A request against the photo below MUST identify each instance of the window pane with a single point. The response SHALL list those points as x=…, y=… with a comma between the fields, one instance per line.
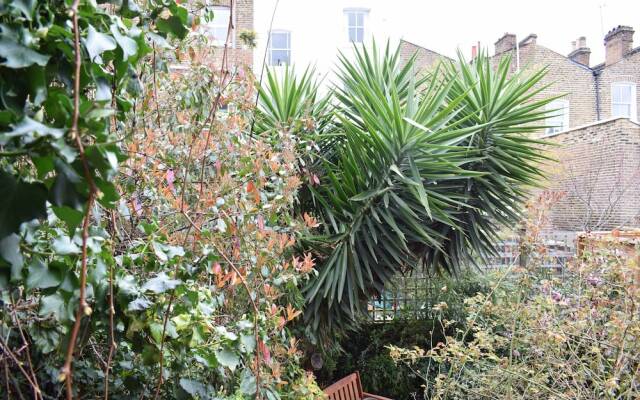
x=280, y=57
x=221, y=16
x=558, y=118
x=351, y=16
x=219, y=33
x=360, y=19
x=359, y=35
x=622, y=110
x=279, y=40
x=621, y=94
x=353, y=35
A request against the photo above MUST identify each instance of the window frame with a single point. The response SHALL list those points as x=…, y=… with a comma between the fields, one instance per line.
x=270, y=47
x=357, y=11
x=211, y=26
x=633, y=101
x=552, y=130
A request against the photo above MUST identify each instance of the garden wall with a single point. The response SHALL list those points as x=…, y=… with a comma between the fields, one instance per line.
x=599, y=174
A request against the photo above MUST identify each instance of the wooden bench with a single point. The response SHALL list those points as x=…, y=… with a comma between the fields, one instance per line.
x=350, y=388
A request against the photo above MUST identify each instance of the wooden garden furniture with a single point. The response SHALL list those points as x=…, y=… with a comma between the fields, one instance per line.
x=350, y=388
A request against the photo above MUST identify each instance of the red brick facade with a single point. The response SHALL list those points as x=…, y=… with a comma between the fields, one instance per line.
x=238, y=53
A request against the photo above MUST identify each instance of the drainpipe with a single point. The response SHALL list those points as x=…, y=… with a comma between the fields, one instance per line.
x=596, y=76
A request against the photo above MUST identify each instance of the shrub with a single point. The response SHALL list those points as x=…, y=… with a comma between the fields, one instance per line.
x=542, y=335
x=365, y=349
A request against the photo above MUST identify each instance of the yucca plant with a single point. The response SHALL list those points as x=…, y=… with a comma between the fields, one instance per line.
x=424, y=173
x=292, y=103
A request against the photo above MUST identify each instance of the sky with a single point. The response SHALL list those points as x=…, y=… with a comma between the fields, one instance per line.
x=445, y=25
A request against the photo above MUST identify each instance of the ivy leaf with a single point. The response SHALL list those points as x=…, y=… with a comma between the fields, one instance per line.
x=228, y=359
x=172, y=25
x=139, y=304
x=129, y=46
x=41, y=277
x=30, y=130
x=194, y=388
x=247, y=343
x=97, y=43
x=166, y=252
x=248, y=383
x=55, y=305
x=63, y=245
x=64, y=192
x=161, y=283
x=25, y=6
x=17, y=56
x=130, y=9
x=71, y=217
x=10, y=252
x=20, y=202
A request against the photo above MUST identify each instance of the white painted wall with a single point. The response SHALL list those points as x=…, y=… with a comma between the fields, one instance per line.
x=319, y=30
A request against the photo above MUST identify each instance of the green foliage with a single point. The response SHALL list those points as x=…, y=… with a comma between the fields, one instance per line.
x=427, y=170
x=178, y=279
x=540, y=334
x=366, y=349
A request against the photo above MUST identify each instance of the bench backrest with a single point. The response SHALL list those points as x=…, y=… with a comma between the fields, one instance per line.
x=347, y=388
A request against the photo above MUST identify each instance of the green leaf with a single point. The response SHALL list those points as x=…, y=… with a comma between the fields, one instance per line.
x=128, y=45
x=228, y=358
x=63, y=192
x=30, y=130
x=161, y=283
x=247, y=343
x=17, y=56
x=194, y=388
x=25, y=6
x=248, y=384
x=63, y=245
x=41, y=277
x=139, y=304
x=71, y=217
x=172, y=25
x=97, y=43
x=20, y=202
x=10, y=252
x=53, y=305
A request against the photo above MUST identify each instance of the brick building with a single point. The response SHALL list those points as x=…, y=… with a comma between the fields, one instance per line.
x=596, y=128
x=595, y=125
x=238, y=53
x=425, y=59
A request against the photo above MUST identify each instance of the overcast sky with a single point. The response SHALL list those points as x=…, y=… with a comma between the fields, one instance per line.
x=444, y=25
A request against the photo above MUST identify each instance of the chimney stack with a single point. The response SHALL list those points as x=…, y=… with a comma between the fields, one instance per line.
x=581, y=52
x=617, y=43
x=505, y=43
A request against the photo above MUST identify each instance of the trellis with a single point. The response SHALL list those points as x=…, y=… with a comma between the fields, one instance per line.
x=411, y=295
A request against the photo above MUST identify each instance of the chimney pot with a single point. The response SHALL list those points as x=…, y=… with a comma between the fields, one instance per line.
x=581, y=52
x=618, y=42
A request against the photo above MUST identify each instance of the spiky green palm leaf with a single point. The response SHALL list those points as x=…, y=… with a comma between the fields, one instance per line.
x=414, y=170
x=425, y=176
x=391, y=183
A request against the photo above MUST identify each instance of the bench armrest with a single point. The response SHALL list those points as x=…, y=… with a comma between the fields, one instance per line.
x=374, y=396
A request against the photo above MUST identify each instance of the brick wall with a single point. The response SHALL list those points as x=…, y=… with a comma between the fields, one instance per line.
x=599, y=172
x=237, y=54
x=565, y=77
x=425, y=59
